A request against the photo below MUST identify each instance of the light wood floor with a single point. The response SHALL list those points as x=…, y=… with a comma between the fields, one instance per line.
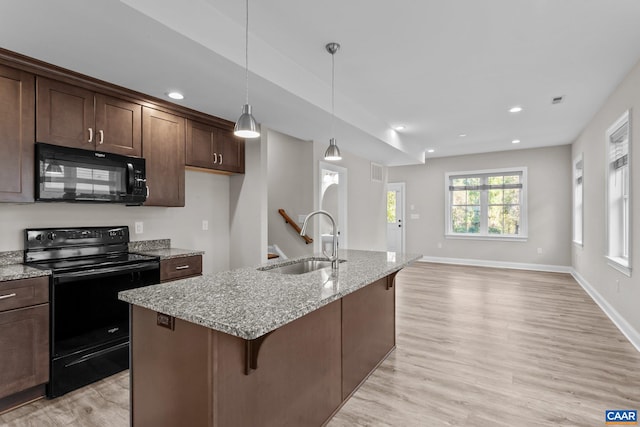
x=475, y=347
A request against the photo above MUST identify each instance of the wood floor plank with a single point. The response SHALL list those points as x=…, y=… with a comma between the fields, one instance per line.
x=492, y=347
x=475, y=347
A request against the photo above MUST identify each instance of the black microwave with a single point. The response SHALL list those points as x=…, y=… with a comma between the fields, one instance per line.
x=65, y=174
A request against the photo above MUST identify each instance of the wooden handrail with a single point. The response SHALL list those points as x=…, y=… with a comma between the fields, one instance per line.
x=295, y=226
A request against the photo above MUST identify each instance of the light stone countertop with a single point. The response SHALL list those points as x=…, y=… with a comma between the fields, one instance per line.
x=169, y=253
x=249, y=303
x=20, y=271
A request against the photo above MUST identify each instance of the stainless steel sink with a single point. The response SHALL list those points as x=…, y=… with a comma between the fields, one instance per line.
x=299, y=267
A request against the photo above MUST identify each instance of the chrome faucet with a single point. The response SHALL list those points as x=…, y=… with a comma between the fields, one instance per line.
x=334, y=254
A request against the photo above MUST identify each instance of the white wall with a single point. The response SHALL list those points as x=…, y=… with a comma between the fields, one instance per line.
x=290, y=181
x=206, y=198
x=248, y=207
x=549, y=207
x=619, y=292
x=366, y=205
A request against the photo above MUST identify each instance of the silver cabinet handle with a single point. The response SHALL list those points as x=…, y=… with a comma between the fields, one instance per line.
x=215, y=158
x=148, y=191
x=7, y=296
x=182, y=267
x=220, y=158
x=101, y=140
x=90, y=135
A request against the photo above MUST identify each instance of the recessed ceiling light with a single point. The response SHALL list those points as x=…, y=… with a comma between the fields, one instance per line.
x=515, y=141
x=431, y=150
x=175, y=95
x=515, y=109
x=462, y=135
x=400, y=127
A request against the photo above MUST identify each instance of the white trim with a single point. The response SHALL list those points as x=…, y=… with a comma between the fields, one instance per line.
x=499, y=264
x=627, y=330
x=499, y=237
x=619, y=264
x=579, y=159
x=343, y=200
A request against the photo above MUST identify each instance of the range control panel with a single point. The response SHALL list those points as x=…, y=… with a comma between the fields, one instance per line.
x=44, y=238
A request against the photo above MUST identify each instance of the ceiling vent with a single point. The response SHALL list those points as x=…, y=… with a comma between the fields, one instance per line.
x=557, y=99
x=377, y=172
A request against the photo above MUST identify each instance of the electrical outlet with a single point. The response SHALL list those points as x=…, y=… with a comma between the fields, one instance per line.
x=139, y=227
x=539, y=250
x=439, y=245
x=205, y=225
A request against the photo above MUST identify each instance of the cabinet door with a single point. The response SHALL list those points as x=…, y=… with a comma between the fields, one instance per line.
x=17, y=123
x=118, y=126
x=200, y=142
x=64, y=115
x=368, y=331
x=24, y=348
x=230, y=151
x=163, y=147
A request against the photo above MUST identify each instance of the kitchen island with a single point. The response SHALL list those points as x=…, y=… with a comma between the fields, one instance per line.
x=253, y=347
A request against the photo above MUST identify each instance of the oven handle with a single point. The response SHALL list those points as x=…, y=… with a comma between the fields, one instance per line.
x=95, y=354
x=76, y=276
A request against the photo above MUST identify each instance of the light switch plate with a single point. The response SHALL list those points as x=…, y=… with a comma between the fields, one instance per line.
x=205, y=225
x=139, y=227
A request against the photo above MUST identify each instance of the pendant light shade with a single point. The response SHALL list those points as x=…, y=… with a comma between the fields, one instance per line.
x=333, y=152
x=246, y=126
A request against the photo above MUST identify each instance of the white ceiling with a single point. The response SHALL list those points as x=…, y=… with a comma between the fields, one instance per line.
x=439, y=67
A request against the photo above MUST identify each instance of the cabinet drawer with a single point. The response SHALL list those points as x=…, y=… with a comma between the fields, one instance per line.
x=23, y=292
x=180, y=268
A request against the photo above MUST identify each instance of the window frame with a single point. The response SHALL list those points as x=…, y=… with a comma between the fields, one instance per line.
x=620, y=263
x=577, y=179
x=523, y=225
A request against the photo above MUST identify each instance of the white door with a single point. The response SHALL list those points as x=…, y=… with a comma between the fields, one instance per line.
x=395, y=217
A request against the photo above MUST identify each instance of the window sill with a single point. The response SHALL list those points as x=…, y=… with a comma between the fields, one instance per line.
x=619, y=264
x=485, y=237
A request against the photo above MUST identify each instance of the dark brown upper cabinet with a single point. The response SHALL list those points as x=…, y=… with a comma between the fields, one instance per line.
x=76, y=117
x=214, y=148
x=17, y=123
x=163, y=137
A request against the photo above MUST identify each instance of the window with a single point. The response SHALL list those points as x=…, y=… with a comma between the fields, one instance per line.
x=487, y=204
x=619, y=195
x=578, y=194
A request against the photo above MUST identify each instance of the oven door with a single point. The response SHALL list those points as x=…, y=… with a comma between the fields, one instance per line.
x=89, y=325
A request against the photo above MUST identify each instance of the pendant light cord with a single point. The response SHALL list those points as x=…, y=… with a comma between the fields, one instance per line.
x=333, y=94
x=246, y=50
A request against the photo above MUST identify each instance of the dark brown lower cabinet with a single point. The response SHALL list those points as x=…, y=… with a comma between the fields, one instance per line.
x=368, y=332
x=24, y=351
x=193, y=375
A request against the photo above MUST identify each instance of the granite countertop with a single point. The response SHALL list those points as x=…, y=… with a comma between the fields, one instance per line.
x=249, y=303
x=19, y=271
x=169, y=253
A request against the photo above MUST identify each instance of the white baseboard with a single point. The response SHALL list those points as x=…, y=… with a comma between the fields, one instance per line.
x=499, y=264
x=627, y=330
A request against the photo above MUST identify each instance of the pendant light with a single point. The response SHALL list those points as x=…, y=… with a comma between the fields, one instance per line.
x=246, y=126
x=333, y=152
